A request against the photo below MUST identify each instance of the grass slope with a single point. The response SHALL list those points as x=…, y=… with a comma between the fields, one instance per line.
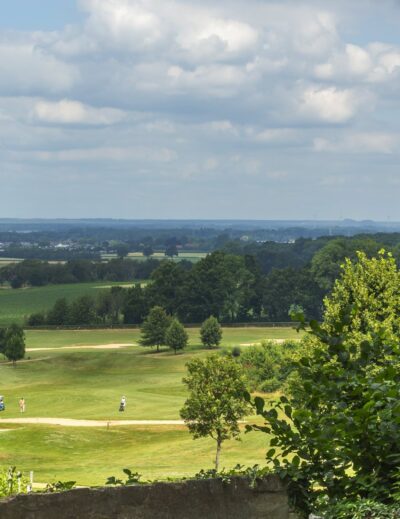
x=88, y=384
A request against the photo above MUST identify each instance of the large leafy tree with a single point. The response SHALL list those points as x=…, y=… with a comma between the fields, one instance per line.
x=339, y=433
x=326, y=263
x=154, y=327
x=372, y=287
x=217, y=399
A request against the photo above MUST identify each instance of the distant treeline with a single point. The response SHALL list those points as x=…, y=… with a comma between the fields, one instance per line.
x=256, y=283
x=39, y=273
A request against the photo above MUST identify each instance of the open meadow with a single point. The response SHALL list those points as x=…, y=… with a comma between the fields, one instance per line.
x=193, y=257
x=82, y=375
x=16, y=305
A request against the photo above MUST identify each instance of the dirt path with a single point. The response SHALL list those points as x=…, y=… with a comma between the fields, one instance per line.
x=115, y=346
x=68, y=422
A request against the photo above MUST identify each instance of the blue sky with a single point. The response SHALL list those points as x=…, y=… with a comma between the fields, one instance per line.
x=31, y=15
x=198, y=109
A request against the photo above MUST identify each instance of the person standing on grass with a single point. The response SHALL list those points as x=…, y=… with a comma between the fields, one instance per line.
x=122, y=405
x=22, y=404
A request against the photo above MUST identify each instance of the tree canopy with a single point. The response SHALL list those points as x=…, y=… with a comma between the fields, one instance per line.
x=216, y=400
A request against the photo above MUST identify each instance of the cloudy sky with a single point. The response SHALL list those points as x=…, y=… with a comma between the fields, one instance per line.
x=200, y=109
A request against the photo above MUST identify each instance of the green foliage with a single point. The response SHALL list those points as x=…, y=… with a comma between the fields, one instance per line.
x=339, y=434
x=11, y=481
x=176, y=336
x=133, y=478
x=216, y=400
x=373, y=287
x=326, y=263
x=14, y=343
x=154, y=327
x=268, y=365
x=60, y=486
x=251, y=473
x=211, y=332
x=362, y=509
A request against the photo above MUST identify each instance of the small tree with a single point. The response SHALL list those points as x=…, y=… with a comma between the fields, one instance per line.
x=155, y=327
x=171, y=250
x=176, y=336
x=211, y=332
x=217, y=399
x=14, y=343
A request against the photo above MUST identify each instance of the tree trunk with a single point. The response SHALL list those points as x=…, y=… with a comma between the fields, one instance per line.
x=219, y=444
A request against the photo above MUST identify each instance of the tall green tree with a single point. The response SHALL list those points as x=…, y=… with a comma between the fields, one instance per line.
x=211, y=332
x=372, y=287
x=338, y=434
x=176, y=336
x=60, y=313
x=14, y=348
x=216, y=400
x=154, y=328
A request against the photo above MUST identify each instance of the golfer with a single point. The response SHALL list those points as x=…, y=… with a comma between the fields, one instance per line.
x=122, y=405
x=22, y=405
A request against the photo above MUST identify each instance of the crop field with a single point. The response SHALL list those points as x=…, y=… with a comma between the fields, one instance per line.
x=188, y=256
x=82, y=375
x=8, y=261
x=16, y=305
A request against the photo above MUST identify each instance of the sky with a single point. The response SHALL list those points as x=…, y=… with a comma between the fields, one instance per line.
x=244, y=109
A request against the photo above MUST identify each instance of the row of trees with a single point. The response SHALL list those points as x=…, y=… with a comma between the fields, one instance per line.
x=231, y=287
x=40, y=273
x=160, y=329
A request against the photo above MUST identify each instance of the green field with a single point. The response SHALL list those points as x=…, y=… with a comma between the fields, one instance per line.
x=16, y=305
x=194, y=257
x=86, y=383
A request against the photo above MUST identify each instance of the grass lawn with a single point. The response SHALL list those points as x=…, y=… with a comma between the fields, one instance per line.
x=88, y=384
x=16, y=305
x=230, y=337
x=89, y=455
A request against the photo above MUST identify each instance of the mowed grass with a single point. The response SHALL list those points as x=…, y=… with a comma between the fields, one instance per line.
x=88, y=384
x=90, y=455
x=235, y=336
x=17, y=305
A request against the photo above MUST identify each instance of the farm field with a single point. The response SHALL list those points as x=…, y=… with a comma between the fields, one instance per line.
x=188, y=256
x=86, y=383
x=16, y=305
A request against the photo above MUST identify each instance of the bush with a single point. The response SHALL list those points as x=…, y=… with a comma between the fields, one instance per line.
x=236, y=351
x=362, y=509
x=10, y=481
x=268, y=365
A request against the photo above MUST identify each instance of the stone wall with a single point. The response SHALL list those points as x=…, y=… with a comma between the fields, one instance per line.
x=202, y=499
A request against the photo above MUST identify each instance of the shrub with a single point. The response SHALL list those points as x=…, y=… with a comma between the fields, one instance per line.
x=268, y=365
x=11, y=481
x=362, y=509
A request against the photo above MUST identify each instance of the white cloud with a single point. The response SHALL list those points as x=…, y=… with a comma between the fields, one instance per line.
x=112, y=154
x=74, y=112
x=384, y=143
x=373, y=63
x=26, y=69
x=330, y=105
